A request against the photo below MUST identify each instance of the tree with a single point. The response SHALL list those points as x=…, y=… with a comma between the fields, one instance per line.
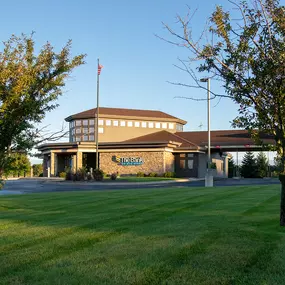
x=19, y=165
x=37, y=169
x=261, y=165
x=246, y=53
x=231, y=167
x=30, y=84
x=248, y=166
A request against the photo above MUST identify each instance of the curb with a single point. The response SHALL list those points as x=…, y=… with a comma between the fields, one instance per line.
x=117, y=183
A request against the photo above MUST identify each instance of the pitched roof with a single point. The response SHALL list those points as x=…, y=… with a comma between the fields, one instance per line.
x=223, y=138
x=164, y=136
x=123, y=113
x=196, y=140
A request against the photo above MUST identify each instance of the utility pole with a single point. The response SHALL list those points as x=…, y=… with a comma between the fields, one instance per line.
x=97, y=117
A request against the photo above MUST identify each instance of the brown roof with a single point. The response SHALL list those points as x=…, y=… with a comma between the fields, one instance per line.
x=123, y=113
x=223, y=138
x=164, y=136
x=226, y=138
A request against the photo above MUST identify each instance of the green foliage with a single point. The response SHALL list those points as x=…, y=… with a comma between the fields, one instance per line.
x=231, y=167
x=261, y=165
x=213, y=165
x=169, y=174
x=62, y=174
x=247, y=53
x=98, y=174
x=2, y=183
x=140, y=174
x=248, y=167
x=30, y=84
x=37, y=169
x=113, y=176
x=153, y=174
x=19, y=165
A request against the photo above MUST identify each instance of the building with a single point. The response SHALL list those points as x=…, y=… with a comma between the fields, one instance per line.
x=132, y=141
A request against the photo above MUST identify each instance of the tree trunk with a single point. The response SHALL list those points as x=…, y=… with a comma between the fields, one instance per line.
x=282, y=202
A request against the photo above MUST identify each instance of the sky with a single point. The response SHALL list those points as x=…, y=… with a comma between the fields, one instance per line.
x=137, y=64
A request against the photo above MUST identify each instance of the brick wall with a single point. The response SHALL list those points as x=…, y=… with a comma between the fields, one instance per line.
x=152, y=162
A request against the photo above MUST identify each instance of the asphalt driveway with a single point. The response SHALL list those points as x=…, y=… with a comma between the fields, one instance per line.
x=23, y=186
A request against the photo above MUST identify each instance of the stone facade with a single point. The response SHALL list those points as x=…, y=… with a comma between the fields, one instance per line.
x=168, y=162
x=152, y=162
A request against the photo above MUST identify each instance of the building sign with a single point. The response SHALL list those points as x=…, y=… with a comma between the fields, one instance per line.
x=126, y=161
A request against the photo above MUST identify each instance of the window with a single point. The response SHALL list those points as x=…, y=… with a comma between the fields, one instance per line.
x=108, y=122
x=150, y=125
x=85, y=138
x=78, y=130
x=91, y=138
x=190, y=163
x=115, y=123
x=100, y=130
x=137, y=124
x=73, y=131
x=130, y=124
x=190, y=155
x=91, y=122
x=122, y=123
x=164, y=125
x=85, y=131
x=171, y=126
x=100, y=122
x=85, y=122
x=157, y=125
x=143, y=124
x=179, y=127
x=78, y=123
x=91, y=130
x=78, y=139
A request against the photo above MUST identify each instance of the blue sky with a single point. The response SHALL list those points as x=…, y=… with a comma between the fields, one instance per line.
x=137, y=65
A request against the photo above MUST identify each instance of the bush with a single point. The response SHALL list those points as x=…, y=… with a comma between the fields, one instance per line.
x=98, y=174
x=41, y=175
x=68, y=175
x=2, y=182
x=169, y=174
x=113, y=176
x=62, y=174
x=140, y=174
x=153, y=174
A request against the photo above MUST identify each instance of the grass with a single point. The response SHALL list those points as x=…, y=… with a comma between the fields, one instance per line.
x=152, y=236
x=143, y=179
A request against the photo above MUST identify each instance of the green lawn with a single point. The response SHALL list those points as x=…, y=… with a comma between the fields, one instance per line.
x=162, y=236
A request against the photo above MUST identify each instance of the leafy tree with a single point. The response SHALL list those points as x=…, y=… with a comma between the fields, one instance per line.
x=19, y=165
x=261, y=165
x=30, y=84
x=37, y=169
x=248, y=166
x=231, y=167
x=246, y=53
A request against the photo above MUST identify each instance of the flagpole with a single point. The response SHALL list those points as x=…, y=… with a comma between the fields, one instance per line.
x=97, y=119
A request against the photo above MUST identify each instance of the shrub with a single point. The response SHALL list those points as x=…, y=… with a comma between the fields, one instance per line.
x=2, y=182
x=213, y=165
x=169, y=174
x=41, y=175
x=113, y=176
x=140, y=174
x=68, y=175
x=153, y=174
x=98, y=174
x=62, y=174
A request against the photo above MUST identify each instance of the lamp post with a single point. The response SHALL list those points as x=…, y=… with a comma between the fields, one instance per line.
x=209, y=177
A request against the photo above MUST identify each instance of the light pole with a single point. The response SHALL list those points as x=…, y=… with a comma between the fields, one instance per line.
x=209, y=178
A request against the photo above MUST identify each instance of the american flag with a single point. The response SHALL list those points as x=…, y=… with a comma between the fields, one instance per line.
x=99, y=68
